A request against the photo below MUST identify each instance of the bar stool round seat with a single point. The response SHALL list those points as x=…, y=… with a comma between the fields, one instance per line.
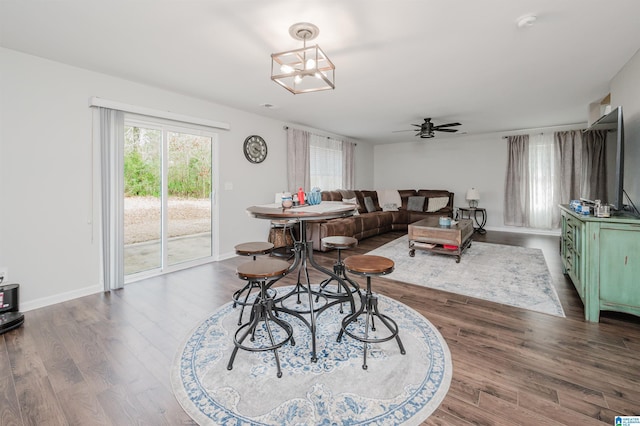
x=267, y=331
x=368, y=266
x=254, y=248
x=338, y=243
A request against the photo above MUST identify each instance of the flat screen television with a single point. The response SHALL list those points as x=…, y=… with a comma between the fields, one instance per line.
x=613, y=124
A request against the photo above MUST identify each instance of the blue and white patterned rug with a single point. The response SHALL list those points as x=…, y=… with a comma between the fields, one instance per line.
x=510, y=275
x=395, y=389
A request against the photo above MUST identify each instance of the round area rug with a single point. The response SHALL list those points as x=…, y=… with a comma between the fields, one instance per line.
x=395, y=389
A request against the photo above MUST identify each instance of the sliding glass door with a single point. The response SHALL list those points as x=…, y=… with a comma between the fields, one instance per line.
x=168, y=198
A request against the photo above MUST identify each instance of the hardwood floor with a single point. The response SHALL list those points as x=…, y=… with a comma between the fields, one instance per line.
x=105, y=358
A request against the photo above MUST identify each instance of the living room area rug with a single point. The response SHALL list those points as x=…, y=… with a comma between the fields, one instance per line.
x=510, y=275
x=395, y=389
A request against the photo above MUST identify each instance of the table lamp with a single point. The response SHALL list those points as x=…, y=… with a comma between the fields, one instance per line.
x=473, y=196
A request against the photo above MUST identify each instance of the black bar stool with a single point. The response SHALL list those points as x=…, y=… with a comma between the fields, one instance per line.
x=367, y=265
x=338, y=243
x=264, y=321
x=253, y=249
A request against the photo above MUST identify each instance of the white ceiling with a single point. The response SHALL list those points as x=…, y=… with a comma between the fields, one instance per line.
x=396, y=61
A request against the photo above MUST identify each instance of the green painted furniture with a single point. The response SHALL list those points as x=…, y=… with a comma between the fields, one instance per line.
x=602, y=258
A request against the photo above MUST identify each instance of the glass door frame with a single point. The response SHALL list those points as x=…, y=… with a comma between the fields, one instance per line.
x=166, y=126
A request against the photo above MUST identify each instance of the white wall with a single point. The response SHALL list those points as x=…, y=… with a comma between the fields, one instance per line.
x=625, y=92
x=49, y=224
x=455, y=164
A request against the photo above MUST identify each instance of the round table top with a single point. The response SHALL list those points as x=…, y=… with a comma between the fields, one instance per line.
x=365, y=264
x=324, y=210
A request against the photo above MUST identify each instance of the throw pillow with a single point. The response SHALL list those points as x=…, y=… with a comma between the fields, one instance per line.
x=353, y=200
x=437, y=203
x=390, y=207
x=389, y=196
x=368, y=203
x=347, y=193
x=415, y=204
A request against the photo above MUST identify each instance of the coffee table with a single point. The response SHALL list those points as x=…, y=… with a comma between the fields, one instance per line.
x=428, y=235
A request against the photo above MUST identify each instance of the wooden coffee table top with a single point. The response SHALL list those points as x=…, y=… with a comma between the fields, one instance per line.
x=430, y=231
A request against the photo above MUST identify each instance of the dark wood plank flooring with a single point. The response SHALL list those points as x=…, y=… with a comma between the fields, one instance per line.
x=105, y=358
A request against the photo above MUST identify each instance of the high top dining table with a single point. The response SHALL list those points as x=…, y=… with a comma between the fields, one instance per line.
x=303, y=251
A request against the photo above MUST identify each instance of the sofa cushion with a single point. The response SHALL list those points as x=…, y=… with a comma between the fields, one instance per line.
x=332, y=196
x=384, y=220
x=416, y=203
x=366, y=222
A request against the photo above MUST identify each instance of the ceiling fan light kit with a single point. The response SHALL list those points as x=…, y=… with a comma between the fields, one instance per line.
x=303, y=70
x=427, y=129
x=526, y=21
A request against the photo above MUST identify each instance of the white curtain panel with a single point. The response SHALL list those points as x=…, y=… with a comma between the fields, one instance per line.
x=543, y=196
x=325, y=156
x=111, y=135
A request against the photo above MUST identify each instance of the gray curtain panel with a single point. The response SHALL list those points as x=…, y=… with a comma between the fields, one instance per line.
x=516, y=200
x=569, y=165
x=580, y=164
x=348, y=160
x=298, y=173
x=594, y=164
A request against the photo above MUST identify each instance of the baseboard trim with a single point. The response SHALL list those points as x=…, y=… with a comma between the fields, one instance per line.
x=225, y=256
x=59, y=298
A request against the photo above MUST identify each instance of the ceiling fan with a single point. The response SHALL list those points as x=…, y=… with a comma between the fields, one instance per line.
x=426, y=130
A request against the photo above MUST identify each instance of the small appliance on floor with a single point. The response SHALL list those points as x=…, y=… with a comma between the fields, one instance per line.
x=10, y=317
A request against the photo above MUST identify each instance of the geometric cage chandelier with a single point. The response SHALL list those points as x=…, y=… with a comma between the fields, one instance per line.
x=303, y=70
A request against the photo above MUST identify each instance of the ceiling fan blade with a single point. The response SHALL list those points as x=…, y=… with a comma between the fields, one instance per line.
x=446, y=130
x=400, y=131
x=448, y=125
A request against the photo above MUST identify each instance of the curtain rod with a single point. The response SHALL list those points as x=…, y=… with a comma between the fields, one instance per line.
x=95, y=101
x=533, y=129
x=328, y=137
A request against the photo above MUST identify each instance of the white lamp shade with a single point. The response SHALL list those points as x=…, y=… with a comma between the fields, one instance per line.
x=472, y=194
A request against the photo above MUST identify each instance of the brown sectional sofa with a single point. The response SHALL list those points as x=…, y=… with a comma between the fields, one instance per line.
x=368, y=224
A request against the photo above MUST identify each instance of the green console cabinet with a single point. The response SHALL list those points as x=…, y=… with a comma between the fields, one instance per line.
x=602, y=258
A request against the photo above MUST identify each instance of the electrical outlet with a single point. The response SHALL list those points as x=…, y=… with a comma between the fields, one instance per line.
x=4, y=275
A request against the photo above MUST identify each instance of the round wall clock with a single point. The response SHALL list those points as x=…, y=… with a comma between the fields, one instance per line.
x=255, y=149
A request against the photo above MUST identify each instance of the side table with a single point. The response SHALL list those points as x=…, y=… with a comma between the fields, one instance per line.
x=478, y=214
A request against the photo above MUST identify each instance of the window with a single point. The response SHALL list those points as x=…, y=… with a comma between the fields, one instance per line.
x=319, y=161
x=167, y=196
x=542, y=182
x=326, y=159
